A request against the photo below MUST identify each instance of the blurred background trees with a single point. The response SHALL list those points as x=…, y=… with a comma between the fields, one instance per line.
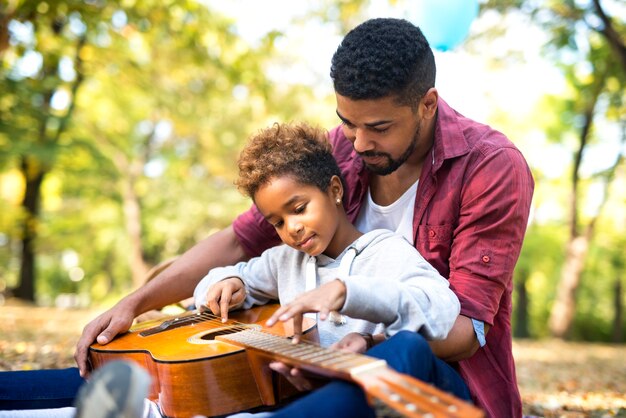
x=117, y=123
x=120, y=125
x=586, y=41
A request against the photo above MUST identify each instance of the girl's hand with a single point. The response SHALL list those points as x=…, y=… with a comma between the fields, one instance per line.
x=224, y=295
x=325, y=299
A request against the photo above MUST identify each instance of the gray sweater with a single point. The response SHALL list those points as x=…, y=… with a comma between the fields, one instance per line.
x=390, y=287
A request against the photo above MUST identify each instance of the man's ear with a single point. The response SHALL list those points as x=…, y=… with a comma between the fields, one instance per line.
x=428, y=104
x=336, y=188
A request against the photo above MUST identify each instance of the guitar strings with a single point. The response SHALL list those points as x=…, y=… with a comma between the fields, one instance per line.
x=236, y=326
x=212, y=319
x=279, y=344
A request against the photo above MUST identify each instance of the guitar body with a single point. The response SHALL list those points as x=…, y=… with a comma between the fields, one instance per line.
x=192, y=372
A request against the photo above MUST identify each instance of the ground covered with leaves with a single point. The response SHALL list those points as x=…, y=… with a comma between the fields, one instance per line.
x=556, y=378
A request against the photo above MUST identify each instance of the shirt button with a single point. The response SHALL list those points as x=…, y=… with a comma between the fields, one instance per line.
x=486, y=259
x=431, y=233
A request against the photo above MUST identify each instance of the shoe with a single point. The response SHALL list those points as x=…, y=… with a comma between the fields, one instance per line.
x=117, y=390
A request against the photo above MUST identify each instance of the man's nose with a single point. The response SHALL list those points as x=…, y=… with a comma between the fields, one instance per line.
x=361, y=141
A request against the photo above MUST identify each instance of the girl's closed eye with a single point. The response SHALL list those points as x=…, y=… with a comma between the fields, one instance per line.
x=300, y=209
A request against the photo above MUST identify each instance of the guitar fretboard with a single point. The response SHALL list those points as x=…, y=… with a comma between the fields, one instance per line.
x=394, y=395
x=340, y=362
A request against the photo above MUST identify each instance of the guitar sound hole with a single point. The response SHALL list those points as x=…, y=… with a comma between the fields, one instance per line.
x=209, y=336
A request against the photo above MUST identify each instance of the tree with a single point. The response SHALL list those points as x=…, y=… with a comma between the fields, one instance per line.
x=35, y=43
x=143, y=153
x=588, y=45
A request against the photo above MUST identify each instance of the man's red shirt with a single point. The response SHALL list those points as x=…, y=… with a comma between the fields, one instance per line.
x=470, y=216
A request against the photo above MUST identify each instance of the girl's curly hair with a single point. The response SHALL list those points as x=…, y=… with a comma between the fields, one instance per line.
x=297, y=150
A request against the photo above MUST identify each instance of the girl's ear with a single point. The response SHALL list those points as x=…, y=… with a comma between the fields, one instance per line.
x=336, y=189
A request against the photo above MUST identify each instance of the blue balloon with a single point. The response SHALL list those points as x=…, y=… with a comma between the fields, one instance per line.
x=445, y=23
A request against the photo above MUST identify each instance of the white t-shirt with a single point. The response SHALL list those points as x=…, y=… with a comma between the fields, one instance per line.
x=396, y=217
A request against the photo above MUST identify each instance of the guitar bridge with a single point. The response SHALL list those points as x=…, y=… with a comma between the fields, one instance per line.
x=173, y=323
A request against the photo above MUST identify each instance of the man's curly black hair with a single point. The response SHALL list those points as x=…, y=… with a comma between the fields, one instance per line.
x=384, y=57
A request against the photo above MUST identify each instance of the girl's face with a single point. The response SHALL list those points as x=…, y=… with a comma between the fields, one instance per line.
x=305, y=217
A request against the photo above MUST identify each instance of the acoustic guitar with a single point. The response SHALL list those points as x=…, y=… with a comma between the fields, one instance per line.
x=200, y=365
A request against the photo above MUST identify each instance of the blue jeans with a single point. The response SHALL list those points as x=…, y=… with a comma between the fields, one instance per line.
x=406, y=352
x=39, y=389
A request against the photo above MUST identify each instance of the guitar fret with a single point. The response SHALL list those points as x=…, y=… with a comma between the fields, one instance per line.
x=351, y=363
x=270, y=345
x=277, y=345
x=338, y=359
x=314, y=354
x=321, y=357
x=251, y=338
x=310, y=353
x=297, y=351
x=261, y=341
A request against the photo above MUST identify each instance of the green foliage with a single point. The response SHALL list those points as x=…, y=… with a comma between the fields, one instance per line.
x=539, y=264
x=583, y=122
x=596, y=309
x=140, y=102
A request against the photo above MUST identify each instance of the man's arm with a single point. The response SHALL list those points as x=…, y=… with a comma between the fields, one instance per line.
x=494, y=213
x=461, y=342
x=175, y=283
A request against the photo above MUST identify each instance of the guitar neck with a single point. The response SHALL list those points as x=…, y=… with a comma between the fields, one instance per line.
x=390, y=392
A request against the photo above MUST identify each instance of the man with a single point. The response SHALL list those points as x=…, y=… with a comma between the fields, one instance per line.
x=458, y=190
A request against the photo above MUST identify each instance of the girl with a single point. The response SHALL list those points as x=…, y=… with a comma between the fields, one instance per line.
x=360, y=284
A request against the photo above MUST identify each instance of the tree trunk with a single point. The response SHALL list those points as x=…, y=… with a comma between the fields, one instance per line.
x=564, y=309
x=129, y=170
x=132, y=216
x=33, y=175
x=34, y=172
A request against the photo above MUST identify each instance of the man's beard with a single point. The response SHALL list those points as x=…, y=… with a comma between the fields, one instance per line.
x=392, y=164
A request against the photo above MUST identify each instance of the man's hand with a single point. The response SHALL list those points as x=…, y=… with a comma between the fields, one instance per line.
x=103, y=329
x=325, y=299
x=294, y=375
x=225, y=294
